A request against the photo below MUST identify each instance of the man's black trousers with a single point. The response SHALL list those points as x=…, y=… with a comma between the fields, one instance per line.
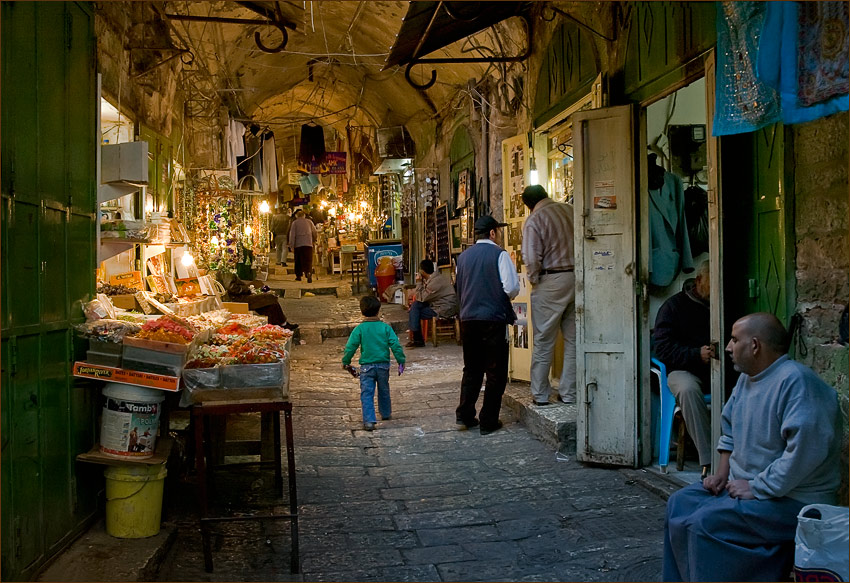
x=485, y=351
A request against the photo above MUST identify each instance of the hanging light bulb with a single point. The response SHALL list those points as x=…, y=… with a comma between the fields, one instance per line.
x=214, y=240
x=364, y=204
x=247, y=230
x=533, y=178
x=264, y=207
x=187, y=259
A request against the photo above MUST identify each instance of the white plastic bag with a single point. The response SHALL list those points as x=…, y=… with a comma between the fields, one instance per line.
x=822, y=543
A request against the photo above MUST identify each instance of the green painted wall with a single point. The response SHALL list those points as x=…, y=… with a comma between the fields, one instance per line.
x=47, y=250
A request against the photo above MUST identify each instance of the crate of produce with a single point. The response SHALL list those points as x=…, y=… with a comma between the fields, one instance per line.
x=153, y=361
x=273, y=375
x=104, y=358
x=105, y=347
x=157, y=345
x=202, y=378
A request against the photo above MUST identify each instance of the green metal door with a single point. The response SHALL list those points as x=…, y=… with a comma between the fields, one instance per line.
x=48, y=259
x=767, y=267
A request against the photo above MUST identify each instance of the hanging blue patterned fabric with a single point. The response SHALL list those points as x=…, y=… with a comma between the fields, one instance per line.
x=742, y=102
x=824, y=59
x=784, y=45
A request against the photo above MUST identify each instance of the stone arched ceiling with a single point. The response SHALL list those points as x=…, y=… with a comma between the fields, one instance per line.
x=330, y=72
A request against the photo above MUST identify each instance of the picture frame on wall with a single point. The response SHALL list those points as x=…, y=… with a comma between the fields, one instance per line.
x=462, y=188
x=455, y=236
x=470, y=221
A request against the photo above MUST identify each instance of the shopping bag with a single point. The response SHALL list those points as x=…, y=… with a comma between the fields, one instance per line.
x=822, y=543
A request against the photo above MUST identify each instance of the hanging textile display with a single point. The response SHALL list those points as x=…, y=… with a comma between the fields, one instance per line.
x=743, y=102
x=824, y=54
x=269, y=163
x=312, y=148
x=251, y=165
x=795, y=32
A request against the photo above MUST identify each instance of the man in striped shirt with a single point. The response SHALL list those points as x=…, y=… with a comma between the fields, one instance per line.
x=547, y=250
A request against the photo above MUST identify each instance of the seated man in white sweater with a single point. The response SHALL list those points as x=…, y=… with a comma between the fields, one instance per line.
x=778, y=452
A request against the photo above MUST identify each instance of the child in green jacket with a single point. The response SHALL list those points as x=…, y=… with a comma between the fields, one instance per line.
x=375, y=340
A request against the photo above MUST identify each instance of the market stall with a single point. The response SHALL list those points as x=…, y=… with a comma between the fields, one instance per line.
x=217, y=361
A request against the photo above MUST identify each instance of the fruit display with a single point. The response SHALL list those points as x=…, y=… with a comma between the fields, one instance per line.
x=107, y=330
x=168, y=329
x=235, y=343
x=115, y=289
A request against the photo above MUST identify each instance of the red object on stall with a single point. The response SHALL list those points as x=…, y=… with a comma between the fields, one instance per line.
x=385, y=275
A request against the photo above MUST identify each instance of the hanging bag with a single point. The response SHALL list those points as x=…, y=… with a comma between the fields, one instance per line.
x=822, y=541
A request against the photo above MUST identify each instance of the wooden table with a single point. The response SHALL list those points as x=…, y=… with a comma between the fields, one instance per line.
x=216, y=408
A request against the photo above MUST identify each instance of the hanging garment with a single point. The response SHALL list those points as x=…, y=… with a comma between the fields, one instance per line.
x=312, y=149
x=696, y=216
x=234, y=146
x=742, y=102
x=824, y=53
x=252, y=163
x=668, y=230
x=778, y=59
x=269, y=163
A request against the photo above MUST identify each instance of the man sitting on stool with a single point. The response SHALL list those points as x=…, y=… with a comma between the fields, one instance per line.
x=778, y=452
x=682, y=342
x=435, y=298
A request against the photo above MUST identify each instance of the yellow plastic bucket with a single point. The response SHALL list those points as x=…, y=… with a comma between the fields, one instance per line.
x=134, y=499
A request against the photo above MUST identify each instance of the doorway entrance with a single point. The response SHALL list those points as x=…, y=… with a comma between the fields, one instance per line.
x=675, y=220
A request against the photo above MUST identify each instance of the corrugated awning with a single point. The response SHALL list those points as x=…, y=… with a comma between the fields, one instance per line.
x=429, y=26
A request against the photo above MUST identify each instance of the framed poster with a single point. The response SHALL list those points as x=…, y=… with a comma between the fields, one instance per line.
x=444, y=258
x=463, y=225
x=462, y=188
x=470, y=221
x=455, y=237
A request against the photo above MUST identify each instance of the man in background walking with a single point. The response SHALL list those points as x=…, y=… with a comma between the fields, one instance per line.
x=280, y=229
x=302, y=237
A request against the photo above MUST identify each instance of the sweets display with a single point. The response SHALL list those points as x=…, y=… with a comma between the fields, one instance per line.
x=169, y=329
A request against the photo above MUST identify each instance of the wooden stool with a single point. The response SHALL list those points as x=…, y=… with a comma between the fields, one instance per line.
x=442, y=328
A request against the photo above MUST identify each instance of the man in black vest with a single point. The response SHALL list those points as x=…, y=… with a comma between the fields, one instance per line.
x=486, y=282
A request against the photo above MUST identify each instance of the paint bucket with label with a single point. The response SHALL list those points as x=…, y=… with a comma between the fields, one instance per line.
x=130, y=421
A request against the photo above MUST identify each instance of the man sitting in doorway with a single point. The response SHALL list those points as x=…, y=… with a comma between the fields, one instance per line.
x=681, y=341
x=778, y=452
x=435, y=298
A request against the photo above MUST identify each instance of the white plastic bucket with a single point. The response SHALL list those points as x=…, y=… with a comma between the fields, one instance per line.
x=130, y=421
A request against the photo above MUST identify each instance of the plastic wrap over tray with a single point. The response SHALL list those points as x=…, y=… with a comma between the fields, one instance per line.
x=243, y=376
x=199, y=384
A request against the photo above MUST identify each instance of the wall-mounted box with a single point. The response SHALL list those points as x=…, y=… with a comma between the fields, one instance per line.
x=127, y=162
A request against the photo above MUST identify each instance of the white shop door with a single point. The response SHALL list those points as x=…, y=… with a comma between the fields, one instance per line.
x=606, y=273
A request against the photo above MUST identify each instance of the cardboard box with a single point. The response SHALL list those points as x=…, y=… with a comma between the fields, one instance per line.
x=235, y=307
x=125, y=302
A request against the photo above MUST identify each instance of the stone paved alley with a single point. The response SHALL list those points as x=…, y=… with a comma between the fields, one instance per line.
x=419, y=500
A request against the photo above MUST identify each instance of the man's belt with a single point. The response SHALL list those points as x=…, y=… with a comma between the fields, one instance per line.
x=548, y=271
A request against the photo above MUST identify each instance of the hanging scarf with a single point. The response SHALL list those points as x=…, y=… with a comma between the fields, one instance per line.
x=743, y=102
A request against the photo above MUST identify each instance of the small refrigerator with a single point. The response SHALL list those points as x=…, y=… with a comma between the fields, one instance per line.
x=377, y=248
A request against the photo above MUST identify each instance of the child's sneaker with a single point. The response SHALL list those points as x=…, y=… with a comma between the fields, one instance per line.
x=369, y=426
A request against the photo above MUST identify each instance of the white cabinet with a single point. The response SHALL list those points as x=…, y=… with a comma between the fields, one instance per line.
x=127, y=162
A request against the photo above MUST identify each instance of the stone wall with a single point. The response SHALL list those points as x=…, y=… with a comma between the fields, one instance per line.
x=126, y=34
x=823, y=248
x=823, y=251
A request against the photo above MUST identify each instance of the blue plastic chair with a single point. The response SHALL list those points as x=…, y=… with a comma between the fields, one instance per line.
x=668, y=411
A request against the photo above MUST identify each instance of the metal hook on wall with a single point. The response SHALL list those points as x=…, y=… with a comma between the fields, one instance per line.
x=276, y=21
x=416, y=85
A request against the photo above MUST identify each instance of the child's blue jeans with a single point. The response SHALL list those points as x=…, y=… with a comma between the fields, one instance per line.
x=372, y=375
